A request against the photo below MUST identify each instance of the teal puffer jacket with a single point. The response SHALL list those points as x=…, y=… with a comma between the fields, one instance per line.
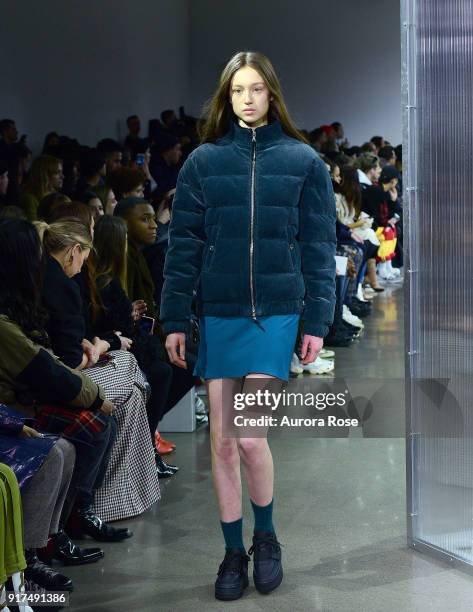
x=252, y=231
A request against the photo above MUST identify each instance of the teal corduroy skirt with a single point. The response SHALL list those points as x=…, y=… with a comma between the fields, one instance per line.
x=232, y=347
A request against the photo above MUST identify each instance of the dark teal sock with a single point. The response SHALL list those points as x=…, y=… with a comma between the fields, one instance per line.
x=233, y=534
x=263, y=516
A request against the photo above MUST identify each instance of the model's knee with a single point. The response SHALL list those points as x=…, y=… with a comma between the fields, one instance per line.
x=225, y=449
x=250, y=449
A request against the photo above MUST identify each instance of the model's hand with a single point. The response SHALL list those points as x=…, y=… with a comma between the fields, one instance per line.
x=176, y=348
x=311, y=347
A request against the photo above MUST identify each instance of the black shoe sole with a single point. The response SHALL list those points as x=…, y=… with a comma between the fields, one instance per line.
x=267, y=587
x=231, y=594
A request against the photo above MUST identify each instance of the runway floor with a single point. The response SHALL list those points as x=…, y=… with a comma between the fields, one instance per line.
x=339, y=511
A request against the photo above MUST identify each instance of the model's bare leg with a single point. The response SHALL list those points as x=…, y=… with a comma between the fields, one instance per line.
x=224, y=451
x=257, y=460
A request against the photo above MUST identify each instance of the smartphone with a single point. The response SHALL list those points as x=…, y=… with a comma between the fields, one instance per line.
x=140, y=160
x=147, y=324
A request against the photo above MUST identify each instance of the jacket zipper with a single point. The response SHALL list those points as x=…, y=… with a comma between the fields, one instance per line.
x=253, y=164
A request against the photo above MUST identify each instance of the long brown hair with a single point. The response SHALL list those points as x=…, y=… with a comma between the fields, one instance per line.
x=38, y=181
x=219, y=112
x=350, y=188
x=109, y=258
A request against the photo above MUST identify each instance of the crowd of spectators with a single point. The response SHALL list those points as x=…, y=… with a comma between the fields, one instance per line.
x=84, y=376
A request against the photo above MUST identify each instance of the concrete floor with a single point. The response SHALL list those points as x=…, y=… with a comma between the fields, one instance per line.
x=339, y=513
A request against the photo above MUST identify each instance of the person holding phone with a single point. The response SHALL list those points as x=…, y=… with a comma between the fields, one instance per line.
x=253, y=230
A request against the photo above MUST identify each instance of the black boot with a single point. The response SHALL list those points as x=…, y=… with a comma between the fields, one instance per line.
x=84, y=521
x=42, y=574
x=232, y=577
x=267, y=568
x=61, y=547
x=165, y=470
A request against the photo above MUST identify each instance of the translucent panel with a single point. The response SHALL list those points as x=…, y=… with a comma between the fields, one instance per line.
x=438, y=149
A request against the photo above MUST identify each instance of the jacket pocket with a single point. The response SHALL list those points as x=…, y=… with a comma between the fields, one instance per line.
x=210, y=249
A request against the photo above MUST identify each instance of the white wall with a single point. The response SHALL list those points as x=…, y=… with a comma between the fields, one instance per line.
x=338, y=60
x=80, y=67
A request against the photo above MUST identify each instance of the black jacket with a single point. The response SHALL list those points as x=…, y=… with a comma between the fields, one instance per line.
x=62, y=299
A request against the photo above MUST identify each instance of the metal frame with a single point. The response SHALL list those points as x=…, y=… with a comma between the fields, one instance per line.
x=410, y=110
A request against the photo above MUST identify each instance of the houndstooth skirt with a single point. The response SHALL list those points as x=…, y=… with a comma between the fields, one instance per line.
x=131, y=483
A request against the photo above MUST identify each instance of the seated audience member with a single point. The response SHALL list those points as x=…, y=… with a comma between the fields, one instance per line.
x=369, y=170
x=339, y=135
x=8, y=135
x=17, y=159
x=348, y=204
x=140, y=159
x=114, y=311
x=165, y=162
x=112, y=151
x=140, y=219
x=380, y=203
x=155, y=254
x=49, y=202
x=317, y=139
x=378, y=142
x=43, y=466
x=92, y=200
x=3, y=182
x=92, y=172
x=51, y=141
x=130, y=484
x=67, y=402
x=11, y=212
x=45, y=177
x=107, y=197
x=127, y=182
x=369, y=147
x=133, y=137
x=169, y=122
x=387, y=156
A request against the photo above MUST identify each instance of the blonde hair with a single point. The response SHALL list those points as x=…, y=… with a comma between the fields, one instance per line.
x=64, y=234
x=219, y=112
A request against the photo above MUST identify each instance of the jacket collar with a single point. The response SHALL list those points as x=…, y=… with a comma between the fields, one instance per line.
x=266, y=135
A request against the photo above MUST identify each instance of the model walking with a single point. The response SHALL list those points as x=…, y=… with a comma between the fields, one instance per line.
x=253, y=230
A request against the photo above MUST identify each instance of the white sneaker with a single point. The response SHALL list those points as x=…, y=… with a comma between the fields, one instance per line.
x=296, y=367
x=326, y=353
x=319, y=366
x=349, y=317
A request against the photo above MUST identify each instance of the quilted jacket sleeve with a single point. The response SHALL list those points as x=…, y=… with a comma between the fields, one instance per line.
x=184, y=255
x=317, y=240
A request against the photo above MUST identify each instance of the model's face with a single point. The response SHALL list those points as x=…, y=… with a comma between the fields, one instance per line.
x=142, y=225
x=3, y=183
x=249, y=97
x=57, y=178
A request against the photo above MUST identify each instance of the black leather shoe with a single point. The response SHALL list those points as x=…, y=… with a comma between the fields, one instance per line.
x=42, y=574
x=267, y=568
x=232, y=577
x=84, y=521
x=165, y=470
x=62, y=548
